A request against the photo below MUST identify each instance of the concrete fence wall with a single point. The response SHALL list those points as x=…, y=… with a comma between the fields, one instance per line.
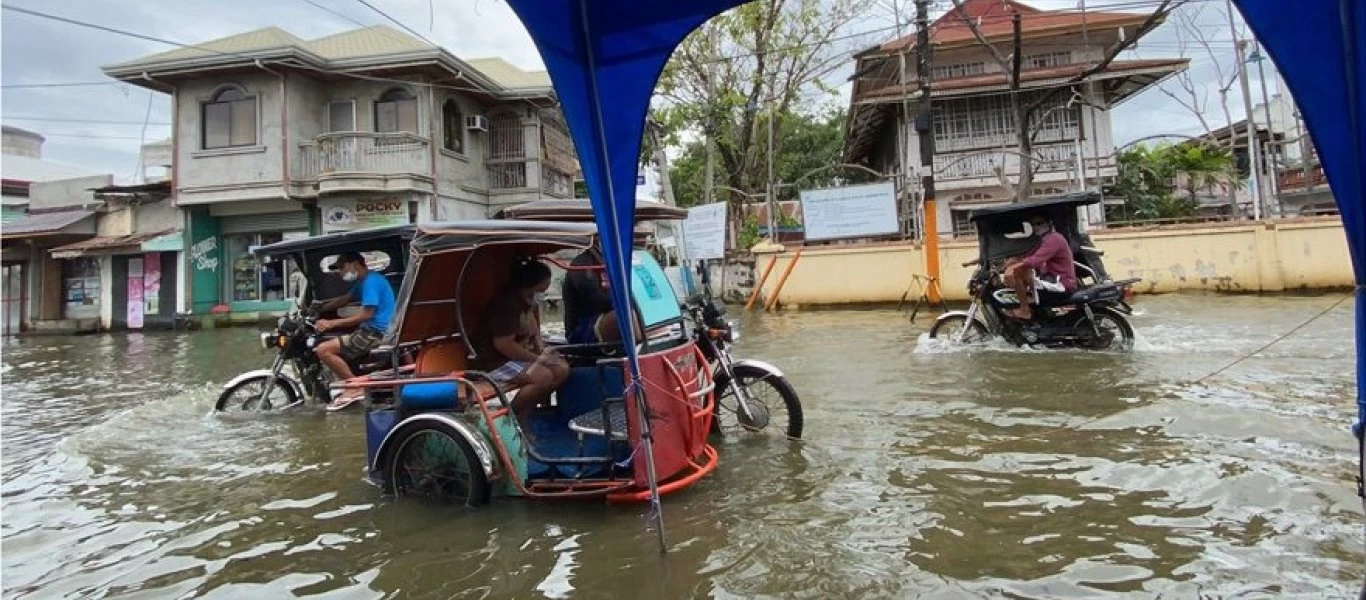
x=1267, y=256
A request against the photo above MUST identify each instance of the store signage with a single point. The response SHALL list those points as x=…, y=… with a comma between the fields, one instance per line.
x=350, y=215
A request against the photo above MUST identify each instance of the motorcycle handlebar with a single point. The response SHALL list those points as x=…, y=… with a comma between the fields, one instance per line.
x=973, y=262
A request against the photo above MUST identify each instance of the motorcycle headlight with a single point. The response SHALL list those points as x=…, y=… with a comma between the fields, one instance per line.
x=312, y=341
x=267, y=340
x=734, y=331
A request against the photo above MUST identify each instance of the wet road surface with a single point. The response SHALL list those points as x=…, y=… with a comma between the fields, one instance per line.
x=925, y=472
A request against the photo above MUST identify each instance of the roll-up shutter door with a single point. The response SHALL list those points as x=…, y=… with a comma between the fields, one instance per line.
x=267, y=222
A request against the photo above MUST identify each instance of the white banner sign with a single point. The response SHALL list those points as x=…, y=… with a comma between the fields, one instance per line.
x=350, y=215
x=849, y=212
x=704, y=232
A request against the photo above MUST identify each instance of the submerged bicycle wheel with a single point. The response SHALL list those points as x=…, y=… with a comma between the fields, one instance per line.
x=773, y=404
x=435, y=463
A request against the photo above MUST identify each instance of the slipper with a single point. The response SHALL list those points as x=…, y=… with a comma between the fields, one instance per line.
x=342, y=401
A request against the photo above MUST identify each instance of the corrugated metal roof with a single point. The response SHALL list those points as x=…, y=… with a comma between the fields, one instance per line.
x=24, y=168
x=252, y=41
x=508, y=75
x=104, y=243
x=371, y=42
x=360, y=43
x=45, y=222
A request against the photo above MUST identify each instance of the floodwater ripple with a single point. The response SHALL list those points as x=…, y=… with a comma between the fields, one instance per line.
x=925, y=472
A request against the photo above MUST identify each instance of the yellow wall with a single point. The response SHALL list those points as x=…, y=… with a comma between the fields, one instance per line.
x=1243, y=257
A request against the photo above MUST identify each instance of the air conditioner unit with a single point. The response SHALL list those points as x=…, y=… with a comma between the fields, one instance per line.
x=477, y=123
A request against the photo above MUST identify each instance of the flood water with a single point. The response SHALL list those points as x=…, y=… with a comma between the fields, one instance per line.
x=924, y=472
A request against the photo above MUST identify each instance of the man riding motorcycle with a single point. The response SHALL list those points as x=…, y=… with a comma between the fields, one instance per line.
x=1048, y=268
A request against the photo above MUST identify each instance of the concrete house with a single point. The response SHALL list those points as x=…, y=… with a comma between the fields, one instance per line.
x=977, y=160
x=276, y=137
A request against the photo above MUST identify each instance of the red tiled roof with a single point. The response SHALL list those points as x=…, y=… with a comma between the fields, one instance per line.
x=995, y=21
x=996, y=79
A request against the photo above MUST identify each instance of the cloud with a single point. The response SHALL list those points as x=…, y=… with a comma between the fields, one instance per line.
x=41, y=51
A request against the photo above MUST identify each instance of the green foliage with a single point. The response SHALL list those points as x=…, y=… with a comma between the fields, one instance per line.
x=749, y=233
x=1148, y=179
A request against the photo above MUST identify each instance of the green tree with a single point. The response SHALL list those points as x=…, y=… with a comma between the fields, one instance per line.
x=758, y=61
x=1148, y=178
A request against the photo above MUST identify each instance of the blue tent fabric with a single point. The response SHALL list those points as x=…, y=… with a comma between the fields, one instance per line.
x=1320, y=48
x=604, y=58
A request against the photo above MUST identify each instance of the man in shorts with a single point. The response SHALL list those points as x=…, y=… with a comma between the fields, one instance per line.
x=376, y=298
x=514, y=319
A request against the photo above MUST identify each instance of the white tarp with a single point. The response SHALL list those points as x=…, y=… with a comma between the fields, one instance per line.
x=850, y=211
x=704, y=232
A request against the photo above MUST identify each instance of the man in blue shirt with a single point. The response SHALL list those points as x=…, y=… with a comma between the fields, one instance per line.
x=376, y=298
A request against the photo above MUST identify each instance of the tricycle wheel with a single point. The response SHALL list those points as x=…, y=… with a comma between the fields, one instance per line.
x=434, y=462
x=247, y=396
x=773, y=402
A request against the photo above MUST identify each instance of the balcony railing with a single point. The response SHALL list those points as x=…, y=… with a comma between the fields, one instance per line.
x=364, y=152
x=984, y=163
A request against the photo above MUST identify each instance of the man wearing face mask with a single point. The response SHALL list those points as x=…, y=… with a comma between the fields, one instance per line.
x=1048, y=268
x=376, y=299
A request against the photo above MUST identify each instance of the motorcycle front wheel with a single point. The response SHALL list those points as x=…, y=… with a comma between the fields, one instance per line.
x=948, y=328
x=247, y=396
x=773, y=402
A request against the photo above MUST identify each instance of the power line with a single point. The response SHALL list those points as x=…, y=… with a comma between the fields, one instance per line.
x=201, y=48
x=334, y=12
x=398, y=22
x=20, y=86
x=92, y=121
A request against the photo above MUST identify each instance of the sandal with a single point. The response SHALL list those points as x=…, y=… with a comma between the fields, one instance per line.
x=343, y=401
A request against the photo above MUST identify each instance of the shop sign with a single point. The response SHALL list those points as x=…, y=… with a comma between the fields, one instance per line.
x=350, y=215
x=203, y=256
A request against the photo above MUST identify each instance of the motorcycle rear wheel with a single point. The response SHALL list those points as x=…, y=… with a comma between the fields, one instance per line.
x=246, y=396
x=1117, y=333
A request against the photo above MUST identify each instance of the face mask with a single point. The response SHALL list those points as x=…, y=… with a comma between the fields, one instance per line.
x=349, y=276
x=1041, y=228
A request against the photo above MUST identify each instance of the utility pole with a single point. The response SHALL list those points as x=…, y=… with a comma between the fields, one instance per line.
x=924, y=124
x=1274, y=208
x=772, y=202
x=661, y=161
x=1253, y=151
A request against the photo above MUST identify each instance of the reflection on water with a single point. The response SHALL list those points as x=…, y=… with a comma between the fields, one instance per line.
x=989, y=472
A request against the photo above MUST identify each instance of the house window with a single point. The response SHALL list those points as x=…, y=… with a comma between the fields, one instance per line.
x=341, y=116
x=958, y=70
x=230, y=119
x=396, y=111
x=1046, y=59
x=454, y=121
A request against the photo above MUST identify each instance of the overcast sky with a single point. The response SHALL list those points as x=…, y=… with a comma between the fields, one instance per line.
x=37, y=51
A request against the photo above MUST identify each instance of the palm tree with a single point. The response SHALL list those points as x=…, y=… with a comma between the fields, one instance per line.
x=1202, y=166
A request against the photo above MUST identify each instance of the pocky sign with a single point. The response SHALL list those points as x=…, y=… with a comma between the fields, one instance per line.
x=364, y=213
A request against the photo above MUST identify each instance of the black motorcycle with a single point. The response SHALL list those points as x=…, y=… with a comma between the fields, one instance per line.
x=750, y=393
x=296, y=376
x=1092, y=318
x=1088, y=319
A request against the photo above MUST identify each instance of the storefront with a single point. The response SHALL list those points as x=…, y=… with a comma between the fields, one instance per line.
x=81, y=287
x=126, y=282
x=225, y=273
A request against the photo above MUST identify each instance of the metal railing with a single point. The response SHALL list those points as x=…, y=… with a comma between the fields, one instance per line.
x=364, y=152
x=507, y=174
x=984, y=163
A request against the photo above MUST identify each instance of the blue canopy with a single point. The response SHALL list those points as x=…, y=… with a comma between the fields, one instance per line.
x=604, y=58
x=1320, y=48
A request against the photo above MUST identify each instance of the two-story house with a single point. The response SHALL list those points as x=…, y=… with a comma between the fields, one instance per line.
x=977, y=158
x=275, y=137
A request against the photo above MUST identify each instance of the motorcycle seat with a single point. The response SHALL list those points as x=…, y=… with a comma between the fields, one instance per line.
x=1096, y=293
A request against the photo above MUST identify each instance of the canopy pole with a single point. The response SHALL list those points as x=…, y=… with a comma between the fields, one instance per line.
x=622, y=288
